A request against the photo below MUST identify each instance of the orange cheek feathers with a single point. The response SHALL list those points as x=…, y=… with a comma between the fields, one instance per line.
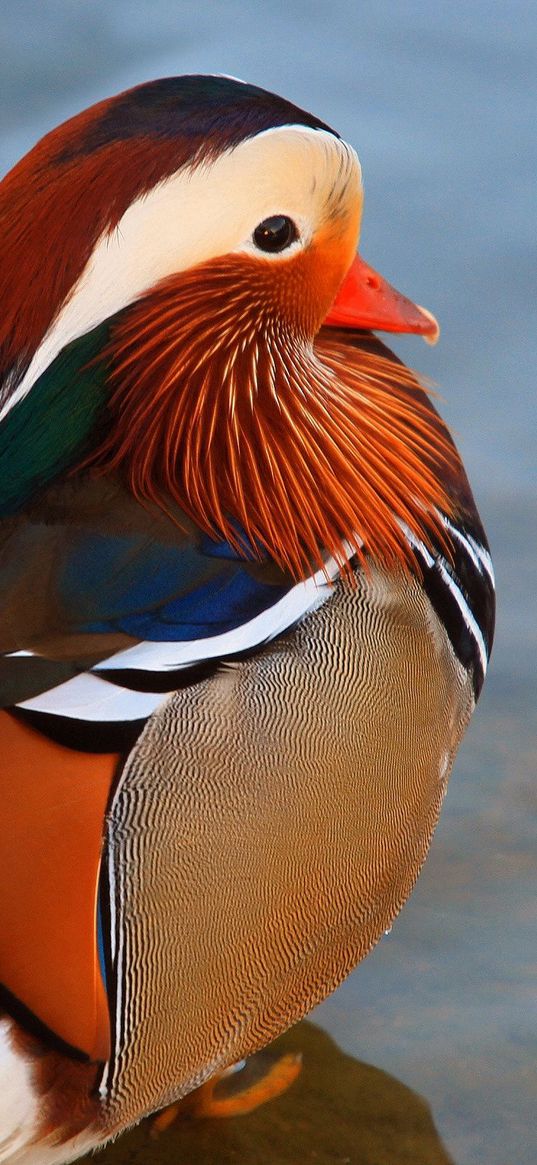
x=304, y=287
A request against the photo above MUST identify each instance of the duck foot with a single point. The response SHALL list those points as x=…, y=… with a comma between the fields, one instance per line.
x=236, y=1091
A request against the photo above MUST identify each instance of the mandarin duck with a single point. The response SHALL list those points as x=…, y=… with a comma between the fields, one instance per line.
x=247, y=601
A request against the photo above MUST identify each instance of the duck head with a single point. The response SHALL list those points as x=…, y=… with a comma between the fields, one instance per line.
x=202, y=230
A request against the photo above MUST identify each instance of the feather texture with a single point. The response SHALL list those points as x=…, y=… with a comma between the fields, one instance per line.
x=247, y=602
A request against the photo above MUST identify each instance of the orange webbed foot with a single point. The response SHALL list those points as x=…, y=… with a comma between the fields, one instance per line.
x=236, y=1091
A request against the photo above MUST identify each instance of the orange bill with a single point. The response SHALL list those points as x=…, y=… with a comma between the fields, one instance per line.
x=367, y=301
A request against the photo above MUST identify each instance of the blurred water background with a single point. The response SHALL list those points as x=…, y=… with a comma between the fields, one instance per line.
x=440, y=102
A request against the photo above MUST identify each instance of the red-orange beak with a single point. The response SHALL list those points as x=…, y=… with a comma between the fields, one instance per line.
x=366, y=300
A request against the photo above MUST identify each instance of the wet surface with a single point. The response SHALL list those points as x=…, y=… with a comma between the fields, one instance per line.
x=338, y=1112
x=438, y=101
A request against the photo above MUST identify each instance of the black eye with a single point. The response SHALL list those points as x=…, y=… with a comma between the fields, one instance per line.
x=275, y=233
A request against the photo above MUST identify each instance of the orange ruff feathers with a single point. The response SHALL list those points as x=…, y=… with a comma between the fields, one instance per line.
x=221, y=401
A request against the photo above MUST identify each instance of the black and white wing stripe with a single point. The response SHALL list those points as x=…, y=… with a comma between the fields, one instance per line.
x=461, y=591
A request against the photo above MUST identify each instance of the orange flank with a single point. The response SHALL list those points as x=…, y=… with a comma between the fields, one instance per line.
x=53, y=809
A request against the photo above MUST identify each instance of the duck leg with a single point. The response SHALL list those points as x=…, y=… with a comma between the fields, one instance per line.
x=235, y=1091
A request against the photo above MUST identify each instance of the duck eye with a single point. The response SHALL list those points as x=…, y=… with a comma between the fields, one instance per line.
x=275, y=233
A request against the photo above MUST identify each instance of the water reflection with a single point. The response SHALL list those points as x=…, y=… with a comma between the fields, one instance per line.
x=339, y=1112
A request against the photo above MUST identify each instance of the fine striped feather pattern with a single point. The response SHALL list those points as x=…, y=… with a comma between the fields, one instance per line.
x=359, y=764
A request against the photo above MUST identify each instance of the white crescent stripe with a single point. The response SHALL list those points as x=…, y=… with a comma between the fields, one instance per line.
x=304, y=597
x=466, y=613
x=86, y=697
x=90, y=697
x=480, y=557
x=476, y=552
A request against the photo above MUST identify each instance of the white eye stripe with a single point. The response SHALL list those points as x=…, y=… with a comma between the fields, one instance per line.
x=197, y=214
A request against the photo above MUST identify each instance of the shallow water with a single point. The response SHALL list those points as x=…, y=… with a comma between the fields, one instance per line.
x=338, y=1112
x=438, y=101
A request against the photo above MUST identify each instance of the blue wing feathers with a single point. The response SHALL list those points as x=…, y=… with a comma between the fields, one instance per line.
x=156, y=592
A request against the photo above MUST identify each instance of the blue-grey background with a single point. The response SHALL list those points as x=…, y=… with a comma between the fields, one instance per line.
x=439, y=100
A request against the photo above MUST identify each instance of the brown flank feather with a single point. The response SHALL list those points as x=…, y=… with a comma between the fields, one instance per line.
x=221, y=401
